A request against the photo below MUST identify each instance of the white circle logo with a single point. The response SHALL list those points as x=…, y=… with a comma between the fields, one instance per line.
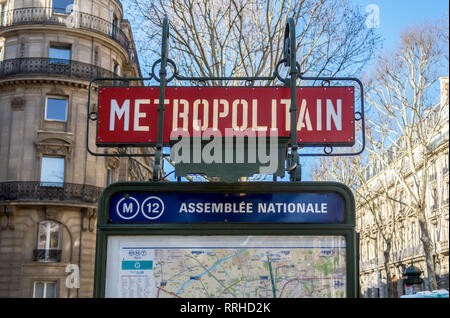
x=152, y=207
x=127, y=208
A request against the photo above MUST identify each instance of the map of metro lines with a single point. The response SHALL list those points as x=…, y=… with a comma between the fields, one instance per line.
x=250, y=272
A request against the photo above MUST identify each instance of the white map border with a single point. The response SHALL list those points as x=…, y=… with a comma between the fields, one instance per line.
x=116, y=243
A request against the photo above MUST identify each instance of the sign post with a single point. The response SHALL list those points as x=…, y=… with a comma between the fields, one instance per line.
x=241, y=240
x=257, y=240
x=295, y=117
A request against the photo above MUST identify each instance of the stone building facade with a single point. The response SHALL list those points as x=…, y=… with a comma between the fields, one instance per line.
x=49, y=184
x=402, y=227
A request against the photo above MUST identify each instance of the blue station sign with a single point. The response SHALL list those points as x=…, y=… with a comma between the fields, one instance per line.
x=173, y=207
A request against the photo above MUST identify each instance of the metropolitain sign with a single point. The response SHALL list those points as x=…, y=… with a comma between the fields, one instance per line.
x=129, y=115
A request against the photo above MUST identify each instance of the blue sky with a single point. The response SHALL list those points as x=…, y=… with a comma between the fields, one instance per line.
x=396, y=15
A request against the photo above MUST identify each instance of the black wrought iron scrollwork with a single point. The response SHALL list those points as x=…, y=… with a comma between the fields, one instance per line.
x=328, y=149
x=325, y=82
x=290, y=60
x=122, y=150
x=93, y=116
x=169, y=62
x=161, y=107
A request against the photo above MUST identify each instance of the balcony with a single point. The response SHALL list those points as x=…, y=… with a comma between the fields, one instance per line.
x=52, y=67
x=443, y=247
x=47, y=255
x=406, y=253
x=37, y=191
x=76, y=20
x=444, y=202
x=434, y=207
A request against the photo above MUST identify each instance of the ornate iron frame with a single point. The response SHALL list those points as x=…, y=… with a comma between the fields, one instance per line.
x=289, y=60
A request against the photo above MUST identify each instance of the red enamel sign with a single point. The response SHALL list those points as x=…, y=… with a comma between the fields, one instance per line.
x=129, y=115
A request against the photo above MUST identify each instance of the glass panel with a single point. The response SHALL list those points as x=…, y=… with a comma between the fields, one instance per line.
x=52, y=171
x=54, y=235
x=115, y=28
x=42, y=235
x=235, y=266
x=56, y=109
x=38, y=290
x=50, y=290
x=59, y=54
x=62, y=6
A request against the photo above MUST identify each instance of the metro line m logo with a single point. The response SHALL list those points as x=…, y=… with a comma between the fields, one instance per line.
x=127, y=208
x=128, y=115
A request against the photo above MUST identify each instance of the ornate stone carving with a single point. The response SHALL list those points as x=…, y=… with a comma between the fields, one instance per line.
x=18, y=103
x=22, y=47
x=53, y=144
x=7, y=217
x=88, y=220
x=51, y=213
x=96, y=55
x=112, y=162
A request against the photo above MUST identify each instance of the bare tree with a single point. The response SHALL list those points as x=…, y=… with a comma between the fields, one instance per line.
x=224, y=38
x=405, y=95
x=406, y=119
x=369, y=198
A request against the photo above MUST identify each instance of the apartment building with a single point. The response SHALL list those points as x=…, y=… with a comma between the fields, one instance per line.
x=50, y=50
x=385, y=214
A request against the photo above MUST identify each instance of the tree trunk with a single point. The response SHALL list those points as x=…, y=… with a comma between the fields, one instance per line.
x=430, y=280
x=387, y=254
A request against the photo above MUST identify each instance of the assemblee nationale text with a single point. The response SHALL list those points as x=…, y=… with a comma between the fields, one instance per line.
x=249, y=207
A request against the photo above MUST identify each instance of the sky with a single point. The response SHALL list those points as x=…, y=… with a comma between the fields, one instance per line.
x=396, y=15
x=389, y=18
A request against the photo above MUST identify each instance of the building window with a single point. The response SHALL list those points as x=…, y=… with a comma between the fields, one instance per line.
x=434, y=199
x=116, y=68
x=60, y=54
x=445, y=192
x=56, y=108
x=44, y=290
x=52, y=171
x=115, y=27
x=62, y=6
x=445, y=164
x=48, y=242
x=3, y=12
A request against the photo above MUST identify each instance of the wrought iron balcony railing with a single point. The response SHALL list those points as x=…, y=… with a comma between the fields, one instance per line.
x=39, y=191
x=72, y=19
x=52, y=67
x=47, y=255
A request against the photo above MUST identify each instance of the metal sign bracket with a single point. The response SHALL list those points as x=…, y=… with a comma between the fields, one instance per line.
x=292, y=159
